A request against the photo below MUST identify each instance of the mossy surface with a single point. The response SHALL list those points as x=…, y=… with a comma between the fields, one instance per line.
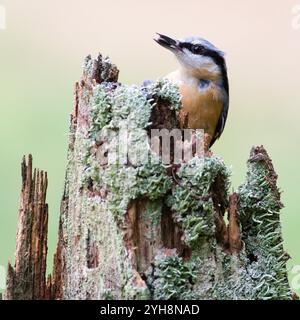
x=173, y=278
x=101, y=186
x=260, y=219
x=124, y=113
x=114, y=110
x=191, y=200
x=166, y=91
x=258, y=271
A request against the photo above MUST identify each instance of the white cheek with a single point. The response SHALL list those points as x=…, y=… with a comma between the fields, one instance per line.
x=187, y=60
x=204, y=62
x=201, y=62
x=192, y=61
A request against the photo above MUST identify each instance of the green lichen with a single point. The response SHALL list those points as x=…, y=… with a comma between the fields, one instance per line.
x=107, y=294
x=115, y=112
x=191, y=200
x=260, y=218
x=257, y=272
x=173, y=278
x=166, y=90
x=132, y=291
x=128, y=183
x=88, y=65
x=101, y=109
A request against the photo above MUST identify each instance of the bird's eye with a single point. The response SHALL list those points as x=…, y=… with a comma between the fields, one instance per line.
x=197, y=49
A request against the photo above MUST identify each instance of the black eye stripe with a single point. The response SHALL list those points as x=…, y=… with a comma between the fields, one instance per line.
x=194, y=48
x=215, y=55
x=198, y=49
x=186, y=45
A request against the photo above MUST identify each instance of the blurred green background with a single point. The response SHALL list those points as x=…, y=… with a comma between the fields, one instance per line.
x=42, y=51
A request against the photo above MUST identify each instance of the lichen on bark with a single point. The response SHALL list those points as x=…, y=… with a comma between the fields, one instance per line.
x=132, y=227
x=148, y=221
x=260, y=218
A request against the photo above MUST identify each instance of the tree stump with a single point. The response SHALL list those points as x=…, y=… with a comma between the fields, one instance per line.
x=27, y=280
x=133, y=229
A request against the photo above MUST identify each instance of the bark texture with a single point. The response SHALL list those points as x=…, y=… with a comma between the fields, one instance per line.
x=26, y=280
x=136, y=229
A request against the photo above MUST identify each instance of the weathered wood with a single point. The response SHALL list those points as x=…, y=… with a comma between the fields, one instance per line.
x=26, y=280
x=121, y=240
x=136, y=230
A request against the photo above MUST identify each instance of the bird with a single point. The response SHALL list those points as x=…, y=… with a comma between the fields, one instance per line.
x=203, y=84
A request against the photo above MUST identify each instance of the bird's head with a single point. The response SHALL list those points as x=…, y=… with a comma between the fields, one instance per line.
x=196, y=55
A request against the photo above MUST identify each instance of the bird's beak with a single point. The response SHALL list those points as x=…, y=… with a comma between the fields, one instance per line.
x=168, y=43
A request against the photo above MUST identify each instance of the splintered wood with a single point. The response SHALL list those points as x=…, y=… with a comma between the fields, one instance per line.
x=27, y=279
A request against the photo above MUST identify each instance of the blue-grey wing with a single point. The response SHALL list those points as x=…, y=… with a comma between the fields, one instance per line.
x=222, y=121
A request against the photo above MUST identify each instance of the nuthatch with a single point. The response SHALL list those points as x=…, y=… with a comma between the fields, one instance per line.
x=203, y=84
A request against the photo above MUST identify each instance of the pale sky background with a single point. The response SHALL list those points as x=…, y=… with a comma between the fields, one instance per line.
x=42, y=51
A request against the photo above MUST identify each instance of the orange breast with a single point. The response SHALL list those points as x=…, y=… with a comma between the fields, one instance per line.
x=201, y=109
